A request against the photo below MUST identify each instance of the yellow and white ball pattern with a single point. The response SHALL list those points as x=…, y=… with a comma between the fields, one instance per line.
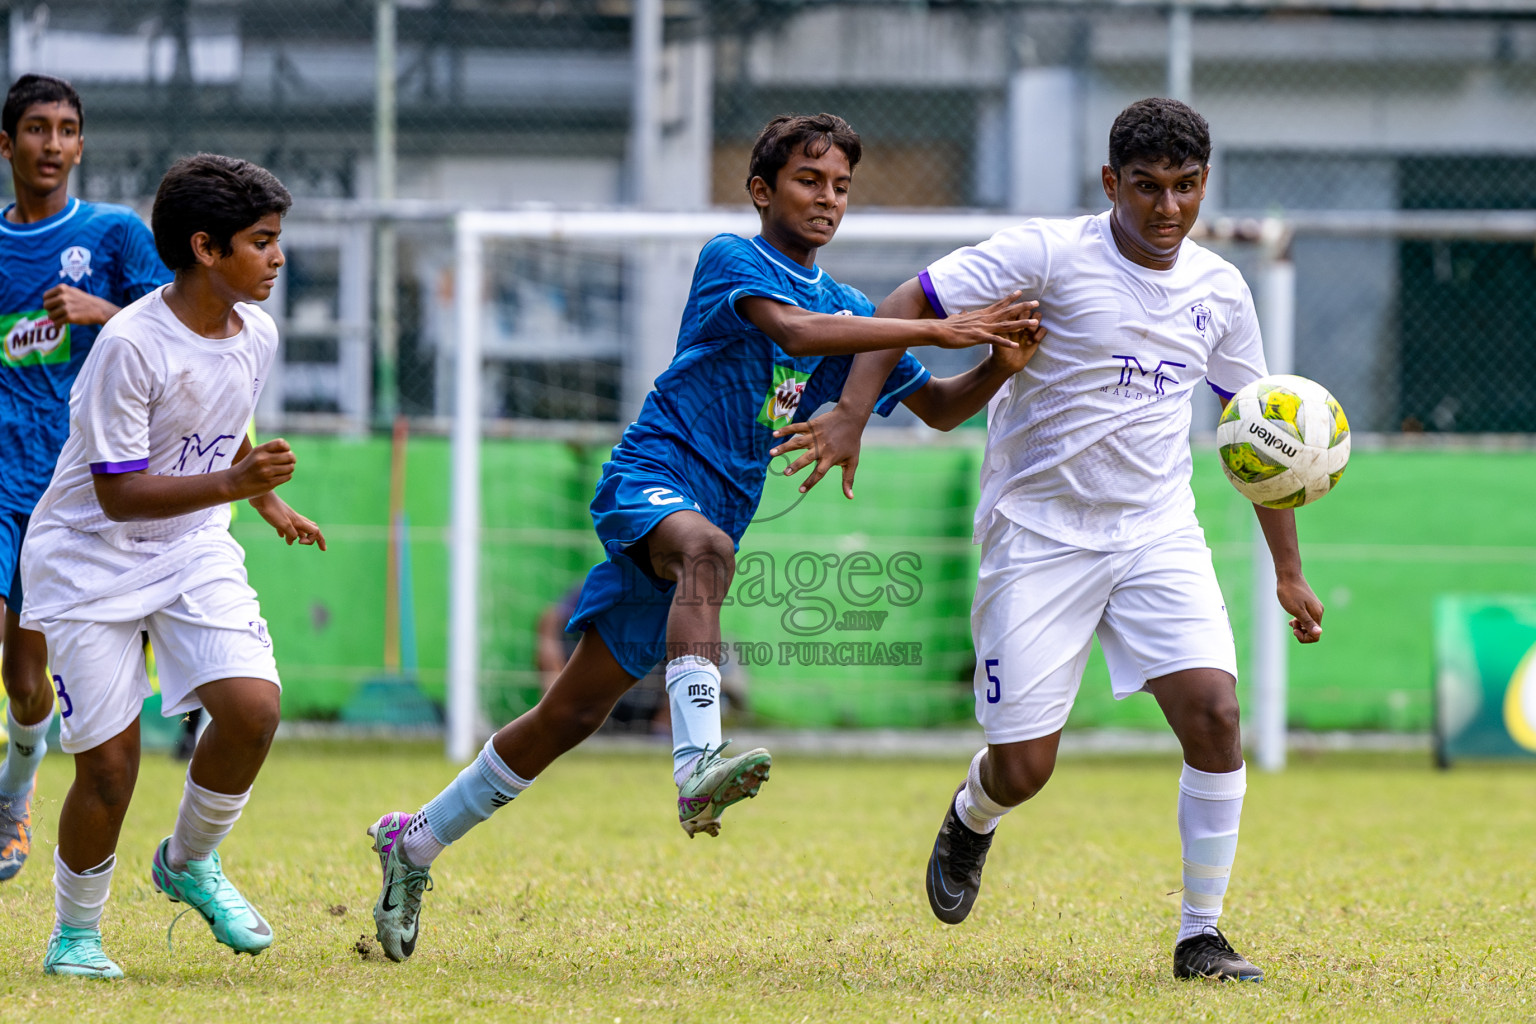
x=1283, y=441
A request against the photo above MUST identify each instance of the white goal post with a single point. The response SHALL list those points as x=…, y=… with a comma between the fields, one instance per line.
x=472, y=231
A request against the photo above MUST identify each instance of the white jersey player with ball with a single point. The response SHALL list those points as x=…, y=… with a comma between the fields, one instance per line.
x=1087, y=521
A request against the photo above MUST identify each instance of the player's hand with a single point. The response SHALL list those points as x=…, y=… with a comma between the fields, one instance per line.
x=1012, y=360
x=267, y=466
x=69, y=305
x=1001, y=325
x=1297, y=598
x=289, y=524
x=831, y=439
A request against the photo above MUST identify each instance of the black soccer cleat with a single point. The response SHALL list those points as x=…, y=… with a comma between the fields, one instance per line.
x=954, y=868
x=1210, y=955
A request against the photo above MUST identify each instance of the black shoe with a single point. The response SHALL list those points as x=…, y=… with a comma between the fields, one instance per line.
x=954, y=869
x=1210, y=955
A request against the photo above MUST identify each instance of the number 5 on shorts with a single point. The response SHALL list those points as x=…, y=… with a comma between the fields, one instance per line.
x=994, y=691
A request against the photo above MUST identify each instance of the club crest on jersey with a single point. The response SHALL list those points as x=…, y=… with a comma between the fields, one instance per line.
x=76, y=261
x=783, y=400
x=31, y=339
x=1202, y=317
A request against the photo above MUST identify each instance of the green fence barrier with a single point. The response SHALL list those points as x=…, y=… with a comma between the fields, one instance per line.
x=877, y=591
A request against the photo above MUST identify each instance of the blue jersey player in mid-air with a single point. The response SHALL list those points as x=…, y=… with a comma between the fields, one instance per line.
x=766, y=338
x=68, y=266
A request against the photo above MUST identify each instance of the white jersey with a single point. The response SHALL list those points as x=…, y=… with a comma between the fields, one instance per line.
x=155, y=396
x=1089, y=443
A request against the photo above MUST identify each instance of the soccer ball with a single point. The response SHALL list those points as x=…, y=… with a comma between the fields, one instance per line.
x=1283, y=441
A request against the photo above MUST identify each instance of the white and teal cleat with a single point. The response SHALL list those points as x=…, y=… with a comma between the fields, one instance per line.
x=716, y=783
x=397, y=912
x=77, y=953
x=203, y=888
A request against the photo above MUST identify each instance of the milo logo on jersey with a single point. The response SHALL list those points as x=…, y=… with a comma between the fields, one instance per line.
x=784, y=397
x=31, y=339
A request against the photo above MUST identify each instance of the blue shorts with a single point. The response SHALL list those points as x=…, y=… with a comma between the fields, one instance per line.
x=13, y=530
x=621, y=599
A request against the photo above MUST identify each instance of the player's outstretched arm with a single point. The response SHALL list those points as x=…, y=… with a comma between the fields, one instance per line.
x=1291, y=587
x=132, y=496
x=945, y=403
x=834, y=438
x=289, y=524
x=800, y=332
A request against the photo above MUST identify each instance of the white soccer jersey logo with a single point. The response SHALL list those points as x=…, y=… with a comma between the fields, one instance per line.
x=76, y=261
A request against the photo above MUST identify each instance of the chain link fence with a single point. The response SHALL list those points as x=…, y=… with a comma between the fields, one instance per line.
x=1346, y=107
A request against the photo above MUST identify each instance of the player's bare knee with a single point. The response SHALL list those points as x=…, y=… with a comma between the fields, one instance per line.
x=26, y=683
x=706, y=565
x=1217, y=719
x=29, y=690
x=250, y=727
x=1013, y=779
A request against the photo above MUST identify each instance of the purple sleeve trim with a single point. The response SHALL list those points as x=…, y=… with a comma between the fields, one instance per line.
x=119, y=467
x=1225, y=396
x=933, y=296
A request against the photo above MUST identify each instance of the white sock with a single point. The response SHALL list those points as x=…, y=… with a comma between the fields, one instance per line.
x=78, y=900
x=202, y=822
x=28, y=744
x=1210, y=806
x=693, y=689
x=418, y=844
x=977, y=810
x=473, y=796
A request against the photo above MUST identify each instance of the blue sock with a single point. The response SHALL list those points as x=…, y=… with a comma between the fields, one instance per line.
x=693, y=689
x=28, y=745
x=486, y=784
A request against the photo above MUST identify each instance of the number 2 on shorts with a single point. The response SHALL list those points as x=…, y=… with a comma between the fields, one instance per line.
x=995, y=691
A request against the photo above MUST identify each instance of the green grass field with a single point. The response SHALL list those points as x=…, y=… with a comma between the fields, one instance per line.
x=1369, y=888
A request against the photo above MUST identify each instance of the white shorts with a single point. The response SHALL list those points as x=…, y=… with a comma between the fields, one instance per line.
x=1156, y=609
x=212, y=631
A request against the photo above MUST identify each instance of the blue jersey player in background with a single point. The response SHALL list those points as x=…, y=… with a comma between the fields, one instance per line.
x=65, y=267
x=766, y=338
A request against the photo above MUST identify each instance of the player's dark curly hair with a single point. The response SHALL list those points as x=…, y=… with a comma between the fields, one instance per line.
x=217, y=194
x=1160, y=131
x=31, y=89
x=817, y=132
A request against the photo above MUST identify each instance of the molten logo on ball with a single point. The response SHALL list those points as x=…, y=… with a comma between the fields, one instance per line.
x=1283, y=441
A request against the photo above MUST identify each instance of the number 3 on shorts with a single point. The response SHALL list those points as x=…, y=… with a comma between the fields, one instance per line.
x=994, y=691
x=66, y=706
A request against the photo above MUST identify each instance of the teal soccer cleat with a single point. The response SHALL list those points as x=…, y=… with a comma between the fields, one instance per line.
x=203, y=888
x=77, y=953
x=397, y=912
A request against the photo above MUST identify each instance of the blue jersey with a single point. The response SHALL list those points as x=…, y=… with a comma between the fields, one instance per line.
x=710, y=419
x=702, y=438
x=102, y=249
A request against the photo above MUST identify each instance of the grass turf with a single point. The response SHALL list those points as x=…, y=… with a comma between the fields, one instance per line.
x=1368, y=887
